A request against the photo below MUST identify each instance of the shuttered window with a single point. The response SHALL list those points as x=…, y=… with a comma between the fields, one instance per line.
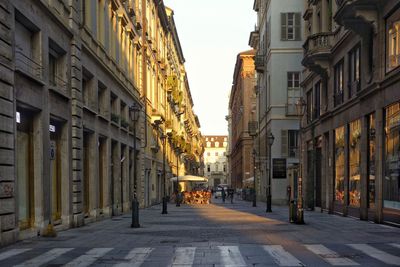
x=290, y=26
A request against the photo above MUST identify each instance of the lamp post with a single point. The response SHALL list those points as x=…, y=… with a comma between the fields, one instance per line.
x=178, y=203
x=164, y=201
x=254, y=179
x=300, y=107
x=271, y=139
x=134, y=112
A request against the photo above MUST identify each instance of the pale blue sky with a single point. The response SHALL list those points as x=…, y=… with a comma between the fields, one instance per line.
x=212, y=33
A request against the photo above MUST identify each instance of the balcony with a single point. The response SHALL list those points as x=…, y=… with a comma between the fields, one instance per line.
x=291, y=110
x=317, y=52
x=359, y=15
x=259, y=63
x=58, y=84
x=28, y=66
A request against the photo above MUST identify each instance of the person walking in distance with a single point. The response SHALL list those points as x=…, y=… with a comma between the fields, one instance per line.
x=223, y=194
x=230, y=194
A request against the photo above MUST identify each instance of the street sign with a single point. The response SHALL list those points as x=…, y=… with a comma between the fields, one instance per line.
x=279, y=168
x=52, y=150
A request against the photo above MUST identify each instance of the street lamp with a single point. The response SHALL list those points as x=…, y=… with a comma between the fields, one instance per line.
x=271, y=139
x=300, y=107
x=134, y=112
x=178, y=204
x=164, y=201
x=254, y=179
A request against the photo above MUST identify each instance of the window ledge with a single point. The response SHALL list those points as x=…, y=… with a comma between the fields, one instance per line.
x=90, y=110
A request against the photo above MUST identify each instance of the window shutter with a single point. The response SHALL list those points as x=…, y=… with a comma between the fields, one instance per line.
x=283, y=26
x=297, y=29
x=284, y=143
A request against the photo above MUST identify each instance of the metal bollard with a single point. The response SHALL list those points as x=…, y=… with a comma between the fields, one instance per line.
x=292, y=212
x=135, y=214
x=164, y=206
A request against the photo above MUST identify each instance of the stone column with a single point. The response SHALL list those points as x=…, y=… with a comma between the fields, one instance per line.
x=379, y=164
x=346, y=169
x=330, y=171
x=364, y=169
x=8, y=216
x=93, y=175
x=77, y=132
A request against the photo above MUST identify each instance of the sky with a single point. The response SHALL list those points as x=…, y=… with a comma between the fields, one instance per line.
x=212, y=33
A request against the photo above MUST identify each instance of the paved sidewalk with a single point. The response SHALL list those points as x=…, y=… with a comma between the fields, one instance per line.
x=219, y=234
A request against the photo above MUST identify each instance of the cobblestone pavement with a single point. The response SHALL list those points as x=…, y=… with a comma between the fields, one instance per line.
x=219, y=234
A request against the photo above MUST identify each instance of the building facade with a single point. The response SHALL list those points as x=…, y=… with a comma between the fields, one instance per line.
x=350, y=130
x=242, y=110
x=73, y=151
x=277, y=39
x=215, y=163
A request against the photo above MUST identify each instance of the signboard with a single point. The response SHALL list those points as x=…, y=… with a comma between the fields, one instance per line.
x=279, y=168
x=52, y=150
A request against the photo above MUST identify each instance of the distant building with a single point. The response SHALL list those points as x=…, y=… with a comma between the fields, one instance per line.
x=242, y=110
x=215, y=164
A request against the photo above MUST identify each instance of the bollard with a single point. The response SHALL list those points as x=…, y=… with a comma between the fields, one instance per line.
x=135, y=213
x=292, y=211
x=164, y=206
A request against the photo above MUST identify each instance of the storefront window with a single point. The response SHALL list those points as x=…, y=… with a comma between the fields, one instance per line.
x=371, y=161
x=339, y=164
x=391, y=181
x=354, y=153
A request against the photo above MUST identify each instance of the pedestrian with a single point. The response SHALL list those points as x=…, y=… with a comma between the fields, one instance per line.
x=223, y=195
x=230, y=194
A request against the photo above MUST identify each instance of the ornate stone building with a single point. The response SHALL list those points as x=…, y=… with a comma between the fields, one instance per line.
x=350, y=129
x=72, y=73
x=242, y=110
x=215, y=160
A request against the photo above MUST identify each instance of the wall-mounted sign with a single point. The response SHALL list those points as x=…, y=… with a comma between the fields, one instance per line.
x=52, y=128
x=52, y=150
x=279, y=168
x=18, y=117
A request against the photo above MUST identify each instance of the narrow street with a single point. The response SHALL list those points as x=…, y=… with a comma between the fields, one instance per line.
x=219, y=234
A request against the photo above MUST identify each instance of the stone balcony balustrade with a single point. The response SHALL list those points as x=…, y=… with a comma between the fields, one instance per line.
x=317, y=52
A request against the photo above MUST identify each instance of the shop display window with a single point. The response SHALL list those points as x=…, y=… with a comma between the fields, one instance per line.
x=371, y=160
x=391, y=181
x=354, y=163
x=339, y=164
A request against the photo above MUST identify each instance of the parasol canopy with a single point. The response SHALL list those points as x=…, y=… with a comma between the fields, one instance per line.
x=190, y=178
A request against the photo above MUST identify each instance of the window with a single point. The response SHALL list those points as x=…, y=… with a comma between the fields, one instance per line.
x=208, y=144
x=339, y=164
x=216, y=167
x=354, y=158
x=57, y=61
x=290, y=26
x=317, y=100
x=216, y=154
x=393, y=36
x=208, y=168
x=292, y=141
x=224, y=167
x=391, y=185
x=293, y=92
x=371, y=161
x=208, y=154
x=216, y=144
x=338, y=83
x=224, y=153
x=309, y=105
x=102, y=99
x=354, y=71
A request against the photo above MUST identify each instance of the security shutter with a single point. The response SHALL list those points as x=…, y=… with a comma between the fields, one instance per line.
x=283, y=26
x=297, y=29
x=284, y=143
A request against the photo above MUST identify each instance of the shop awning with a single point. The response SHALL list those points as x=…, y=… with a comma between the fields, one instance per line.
x=190, y=178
